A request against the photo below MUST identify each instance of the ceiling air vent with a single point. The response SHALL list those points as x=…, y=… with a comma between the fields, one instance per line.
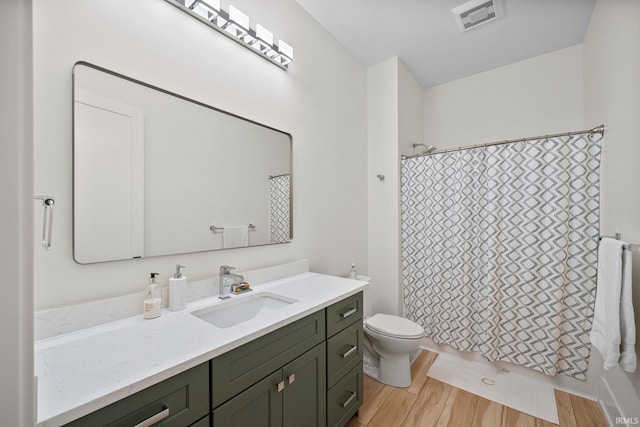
x=476, y=12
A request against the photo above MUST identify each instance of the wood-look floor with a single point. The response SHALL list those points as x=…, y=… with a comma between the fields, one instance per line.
x=429, y=402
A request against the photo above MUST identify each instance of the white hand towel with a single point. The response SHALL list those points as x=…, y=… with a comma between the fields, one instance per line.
x=628, y=359
x=236, y=236
x=611, y=321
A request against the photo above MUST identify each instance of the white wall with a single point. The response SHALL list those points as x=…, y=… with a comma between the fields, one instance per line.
x=537, y=96
x=321, y=101
x=394, y=111
x=612, y=97
x=410, y=111
x=16, y=210
x=382, y=127
x=410, y=130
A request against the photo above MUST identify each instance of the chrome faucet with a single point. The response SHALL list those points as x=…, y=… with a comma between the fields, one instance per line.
x=226, y=279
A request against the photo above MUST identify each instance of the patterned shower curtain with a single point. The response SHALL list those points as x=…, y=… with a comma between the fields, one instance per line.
x=499, y=250
x=279, y=208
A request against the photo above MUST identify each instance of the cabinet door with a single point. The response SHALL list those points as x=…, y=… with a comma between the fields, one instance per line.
x=305, y=389
x=258, y=406
x=203, y=422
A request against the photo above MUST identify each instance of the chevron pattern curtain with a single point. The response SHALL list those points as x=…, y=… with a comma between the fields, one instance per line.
x=279, y=208
x=499, y=250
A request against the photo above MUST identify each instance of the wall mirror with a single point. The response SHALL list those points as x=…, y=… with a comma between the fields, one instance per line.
x=155, y=173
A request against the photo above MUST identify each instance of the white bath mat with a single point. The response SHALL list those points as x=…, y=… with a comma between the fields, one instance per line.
x=506, y=388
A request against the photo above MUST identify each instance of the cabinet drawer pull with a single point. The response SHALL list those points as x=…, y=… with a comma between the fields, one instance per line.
x=154, y=419
x=350, y=351
x=292, y=378
x=280, y=386
x=349, y=400
x=346, y=314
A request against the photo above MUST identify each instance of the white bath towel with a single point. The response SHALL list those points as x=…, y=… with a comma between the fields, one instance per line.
x=613, y=322
x=235, y=236
x=628, y=358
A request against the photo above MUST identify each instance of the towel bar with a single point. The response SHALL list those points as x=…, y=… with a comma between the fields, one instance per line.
x=618, y=236
x=213, y=227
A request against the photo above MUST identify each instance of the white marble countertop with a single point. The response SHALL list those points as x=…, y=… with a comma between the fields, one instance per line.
x=84, y=371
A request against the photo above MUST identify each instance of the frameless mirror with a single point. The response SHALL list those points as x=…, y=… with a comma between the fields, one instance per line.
x=155, y=173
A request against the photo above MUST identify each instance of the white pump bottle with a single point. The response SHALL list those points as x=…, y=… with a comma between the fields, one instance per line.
x=178, y=290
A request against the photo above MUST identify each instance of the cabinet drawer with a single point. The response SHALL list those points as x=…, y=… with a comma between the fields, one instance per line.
x=344, y=351
x=344, y=313
x=344, y=398
x=244, y=366
x=178, y=401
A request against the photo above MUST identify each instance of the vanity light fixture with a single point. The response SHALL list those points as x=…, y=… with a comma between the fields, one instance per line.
x=235, y=25
x=238, y=24
x=264, y=41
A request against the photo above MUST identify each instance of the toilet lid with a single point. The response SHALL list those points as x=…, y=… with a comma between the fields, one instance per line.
x=394, y=326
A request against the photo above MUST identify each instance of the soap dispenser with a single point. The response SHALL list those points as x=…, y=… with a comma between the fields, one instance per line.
x=178, y=290
x=152, y=300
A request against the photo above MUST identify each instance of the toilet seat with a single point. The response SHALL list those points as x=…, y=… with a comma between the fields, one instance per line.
x=394, y=326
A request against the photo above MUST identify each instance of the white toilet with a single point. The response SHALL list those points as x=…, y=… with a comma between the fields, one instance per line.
x=392, y=342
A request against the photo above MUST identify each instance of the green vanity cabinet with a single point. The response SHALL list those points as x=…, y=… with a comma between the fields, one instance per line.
x=278, y=379
x=344, y=359
x=305, y=374
x=240, y=368
x=179, y=401
x=293, y=396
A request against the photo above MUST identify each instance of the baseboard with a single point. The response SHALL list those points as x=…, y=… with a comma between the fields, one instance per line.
x=611, y=410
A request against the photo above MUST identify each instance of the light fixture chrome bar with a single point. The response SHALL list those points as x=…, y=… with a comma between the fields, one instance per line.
x=235, y=25
x=590, y=132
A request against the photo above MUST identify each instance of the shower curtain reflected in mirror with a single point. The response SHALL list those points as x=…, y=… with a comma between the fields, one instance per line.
x=499, y=250
x=280, y=208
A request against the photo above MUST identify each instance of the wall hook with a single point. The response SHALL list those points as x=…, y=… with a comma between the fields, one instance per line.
x=47, y=221
x=380, y=177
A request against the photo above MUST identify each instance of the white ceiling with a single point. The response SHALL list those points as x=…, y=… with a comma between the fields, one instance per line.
x=424, y=34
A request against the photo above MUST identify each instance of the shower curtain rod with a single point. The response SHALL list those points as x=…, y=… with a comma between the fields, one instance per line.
x=598, y=129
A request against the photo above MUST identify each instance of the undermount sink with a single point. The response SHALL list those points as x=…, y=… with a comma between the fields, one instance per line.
x=229, y=313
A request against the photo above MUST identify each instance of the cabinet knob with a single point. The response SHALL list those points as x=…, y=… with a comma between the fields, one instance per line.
x=154, y=419
x=350, y=351
x=346, y=314
x=349, y=400
x=292, y=378
x=280, y=386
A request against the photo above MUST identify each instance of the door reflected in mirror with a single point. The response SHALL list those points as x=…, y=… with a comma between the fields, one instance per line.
x=155, y=173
